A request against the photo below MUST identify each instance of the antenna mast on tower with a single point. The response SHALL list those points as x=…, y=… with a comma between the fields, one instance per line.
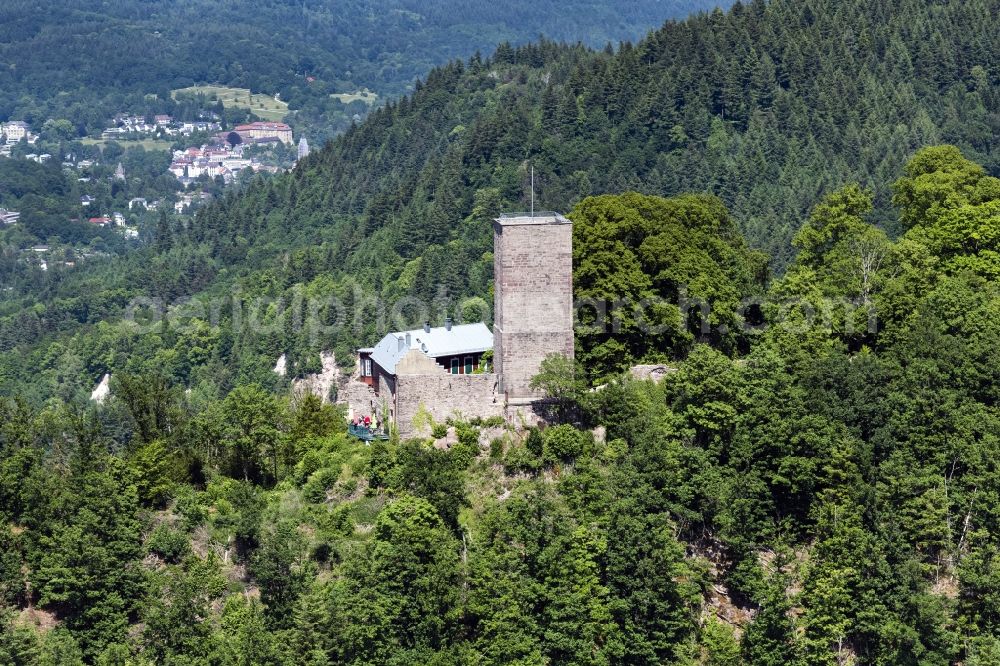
x=532, y=190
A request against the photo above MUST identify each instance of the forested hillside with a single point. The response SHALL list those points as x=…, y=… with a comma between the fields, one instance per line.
x=814, y=482
x=85, y=60
x=767, y=106
x=829, y=498
x=792, y=106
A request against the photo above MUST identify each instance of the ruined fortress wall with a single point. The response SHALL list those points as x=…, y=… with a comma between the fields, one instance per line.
x=443, y=395
x=359, y=397
x=415, y=362
x=386, y=398
x=533, y=277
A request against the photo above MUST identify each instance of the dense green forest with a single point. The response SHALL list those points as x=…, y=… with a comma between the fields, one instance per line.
x=48, y=195
x=830, y=497
x=400, y=206
x=85, y=60
x=814, y=483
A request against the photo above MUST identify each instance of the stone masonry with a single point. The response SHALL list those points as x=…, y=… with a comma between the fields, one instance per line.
x=533, y=317
x=533, y=309
x=359, y=398
x=444, y=395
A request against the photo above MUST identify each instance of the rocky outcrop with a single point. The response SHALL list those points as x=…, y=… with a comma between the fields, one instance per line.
x=102, y=390
x=321, y=382
x=281, y=366
x=655, y=372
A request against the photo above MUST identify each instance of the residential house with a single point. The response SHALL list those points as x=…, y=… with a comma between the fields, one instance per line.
x=433, y=368
x=183, y=204
x=457, y=349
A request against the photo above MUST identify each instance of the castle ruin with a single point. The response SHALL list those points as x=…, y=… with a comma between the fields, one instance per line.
x=442, y=371
x=533, y=303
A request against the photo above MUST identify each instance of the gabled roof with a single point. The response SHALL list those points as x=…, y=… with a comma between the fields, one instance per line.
x=438, y=342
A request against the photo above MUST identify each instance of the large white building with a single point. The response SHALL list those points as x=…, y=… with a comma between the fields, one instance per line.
x=15, y=130
x=265, y=130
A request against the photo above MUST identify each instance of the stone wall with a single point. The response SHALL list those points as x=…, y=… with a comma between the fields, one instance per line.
x=415, y=362
x=533, y=312
x=444, y=395
x=528, y=414
x=359, y=398
x=387, y=393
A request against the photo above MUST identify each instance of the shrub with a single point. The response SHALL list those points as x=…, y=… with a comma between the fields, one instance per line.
x=170, y=544
x=322, y=480
x=332, y=523
x=381, y=464
x=488, y=422
x=349, y=486
x=520, y=459
x=615, y=450
x=311, y=461
x=468, y=435
x=496, y=449
x=193, y=512
x=534, y=443
x=562, y=443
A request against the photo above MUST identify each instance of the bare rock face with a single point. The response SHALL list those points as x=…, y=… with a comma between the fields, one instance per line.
x=655, y=372
x=281, y=366
x=487, y=435
x=448, y=441
x=600, y=434
x=102, y=390
x=321, y=382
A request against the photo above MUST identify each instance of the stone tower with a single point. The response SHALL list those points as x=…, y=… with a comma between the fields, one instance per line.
x=533, y=298
x=303, y=148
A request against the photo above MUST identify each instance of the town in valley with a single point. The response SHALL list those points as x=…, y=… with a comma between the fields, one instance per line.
x=119, y=184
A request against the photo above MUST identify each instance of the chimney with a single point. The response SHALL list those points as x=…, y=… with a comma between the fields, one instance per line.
x=402, y=343
x=427, y=327
x=447, y=323
x=408, y=342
